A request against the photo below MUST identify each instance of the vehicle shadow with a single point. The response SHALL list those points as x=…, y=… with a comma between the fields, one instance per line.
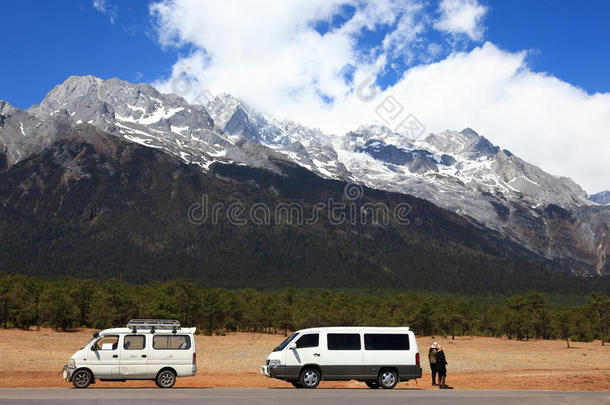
x=347, y=388
x=145, y=388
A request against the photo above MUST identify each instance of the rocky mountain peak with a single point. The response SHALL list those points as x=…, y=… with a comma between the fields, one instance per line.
x=222, y=107
x=92, y=99
x=5, y=107
x=466, y=142
x=365, y=133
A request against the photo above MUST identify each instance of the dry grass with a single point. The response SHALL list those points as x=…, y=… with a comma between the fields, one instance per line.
x=35, y=358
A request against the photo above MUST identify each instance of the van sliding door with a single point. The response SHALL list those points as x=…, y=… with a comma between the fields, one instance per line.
x=134, y=356
x=343, y=357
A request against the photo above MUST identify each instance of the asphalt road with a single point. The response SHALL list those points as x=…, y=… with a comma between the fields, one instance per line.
x=222, y=396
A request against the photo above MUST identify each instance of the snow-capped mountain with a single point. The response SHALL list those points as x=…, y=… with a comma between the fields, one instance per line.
x=236, y=117
x=457, y=170
x=461, y=171
x=139, y=113
x=308, y=147
x=465, y=173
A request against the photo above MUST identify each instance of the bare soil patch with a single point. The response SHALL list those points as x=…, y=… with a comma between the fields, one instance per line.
x=36, y=358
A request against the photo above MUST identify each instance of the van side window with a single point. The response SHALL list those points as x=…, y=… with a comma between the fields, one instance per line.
x=310, y=340
x=134, y=342
x=171, y=342
x=343, y=341
x=386, y=341
x=110, y=342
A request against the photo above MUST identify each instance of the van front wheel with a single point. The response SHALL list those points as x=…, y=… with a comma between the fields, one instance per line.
x=166, y=379
x=388, y=379
x=82, y=379
x=310, y=378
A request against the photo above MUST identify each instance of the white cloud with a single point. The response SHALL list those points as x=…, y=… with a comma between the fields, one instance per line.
x=540, y=118
x=462, y=17
x=270, y=51
x=269, y=54
x=104, y=6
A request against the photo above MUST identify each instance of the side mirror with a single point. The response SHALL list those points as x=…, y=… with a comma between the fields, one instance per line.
x=292, y=346
x=95, y=335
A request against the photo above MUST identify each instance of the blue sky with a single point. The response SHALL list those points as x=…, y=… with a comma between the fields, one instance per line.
x=532, y=76
x=571, y=39
x=49, y=41
x=45, y=42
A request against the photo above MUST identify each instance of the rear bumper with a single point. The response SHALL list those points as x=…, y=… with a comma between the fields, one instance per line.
x=409, y=372
x=183, y=370
x=68, y=372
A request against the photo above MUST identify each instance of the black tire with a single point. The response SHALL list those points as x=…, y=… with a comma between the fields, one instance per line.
x=166, y=379
x=372, y=384
x=310, y=378
x=82, y=379
x=388, y=379
x=296, y=384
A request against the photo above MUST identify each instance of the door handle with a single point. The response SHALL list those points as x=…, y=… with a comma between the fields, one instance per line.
x=316, y=354
x=143, y=355
x=116, y=356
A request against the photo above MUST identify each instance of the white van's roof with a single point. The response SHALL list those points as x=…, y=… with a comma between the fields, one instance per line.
x=189, y=331
x=357, y=329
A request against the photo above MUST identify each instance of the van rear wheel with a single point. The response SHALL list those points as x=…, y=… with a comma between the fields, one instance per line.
x=310, y=378
x=388, y=379
x=82, y=379
x=166, y=379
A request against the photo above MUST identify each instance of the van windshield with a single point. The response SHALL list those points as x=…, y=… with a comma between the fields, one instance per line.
x=91, y=340
x=286, y=342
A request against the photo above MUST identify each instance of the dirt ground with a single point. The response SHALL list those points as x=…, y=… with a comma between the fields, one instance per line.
x=36, y=358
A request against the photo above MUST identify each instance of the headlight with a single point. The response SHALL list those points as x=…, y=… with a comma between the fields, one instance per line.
x=72, y=362
x=274, y=363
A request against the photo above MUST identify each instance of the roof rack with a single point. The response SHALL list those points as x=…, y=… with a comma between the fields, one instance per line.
x=153, y=324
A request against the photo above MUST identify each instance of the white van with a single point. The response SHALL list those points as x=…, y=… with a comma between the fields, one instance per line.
x=147, y=349
x=380, y=357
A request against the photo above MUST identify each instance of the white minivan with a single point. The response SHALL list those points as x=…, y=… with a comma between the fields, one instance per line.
x=380, y=357
x=147, y=349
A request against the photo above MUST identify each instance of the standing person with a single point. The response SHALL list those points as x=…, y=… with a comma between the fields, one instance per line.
x=441, y=368
x=432, y=360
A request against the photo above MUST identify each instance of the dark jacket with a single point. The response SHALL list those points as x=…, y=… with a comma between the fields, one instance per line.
x=441, y=361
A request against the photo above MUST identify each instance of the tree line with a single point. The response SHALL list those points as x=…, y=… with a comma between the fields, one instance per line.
x=27, y=302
